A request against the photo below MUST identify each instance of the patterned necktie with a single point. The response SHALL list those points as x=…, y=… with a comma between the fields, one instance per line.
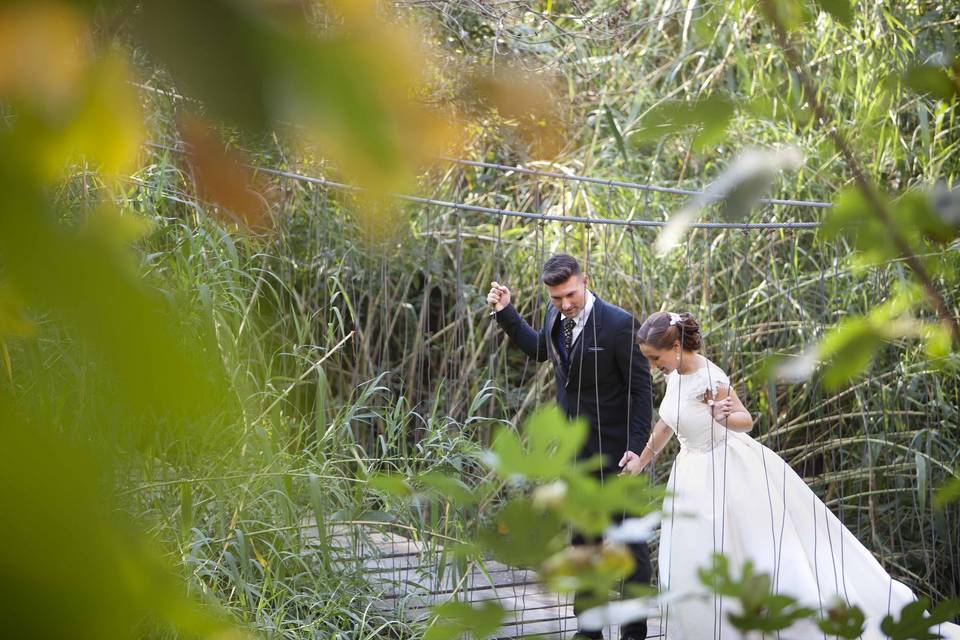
x=568, y=333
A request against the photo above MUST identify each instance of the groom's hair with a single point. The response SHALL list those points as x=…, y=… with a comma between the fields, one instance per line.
x=558, y=268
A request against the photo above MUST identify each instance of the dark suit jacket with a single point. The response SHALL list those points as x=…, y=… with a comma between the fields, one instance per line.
x=608, y=380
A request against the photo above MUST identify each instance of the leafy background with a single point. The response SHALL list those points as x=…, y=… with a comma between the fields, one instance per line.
x=199, y=356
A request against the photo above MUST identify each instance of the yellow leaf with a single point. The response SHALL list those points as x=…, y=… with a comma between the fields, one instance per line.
x=41, y=60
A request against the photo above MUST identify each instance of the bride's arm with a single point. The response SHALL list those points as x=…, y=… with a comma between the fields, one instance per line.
x=659, y=437
x=729, y=411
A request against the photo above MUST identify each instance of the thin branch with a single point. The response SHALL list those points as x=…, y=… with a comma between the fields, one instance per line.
x=876, y=203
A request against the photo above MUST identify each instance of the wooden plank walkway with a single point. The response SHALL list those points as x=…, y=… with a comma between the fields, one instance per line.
x=413, y=577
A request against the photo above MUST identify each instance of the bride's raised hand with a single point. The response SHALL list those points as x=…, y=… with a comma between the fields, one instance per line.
x=720, y=409
x=630, y=463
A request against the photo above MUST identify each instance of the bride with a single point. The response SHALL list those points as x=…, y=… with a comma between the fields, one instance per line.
x=732, y=495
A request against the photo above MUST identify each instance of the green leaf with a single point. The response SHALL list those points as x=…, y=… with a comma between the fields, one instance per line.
x=454, y=620
x=843, y=621
x=13, y=316
x=522, y=535
x=839, y=9
x=448, y=487
x=933, y=81
x=853, y=218
x=937, y=340
x=552, y=446
x=948, y=493
x=914, y=210
x=760, y=608
x=848, y=350
x=390, y=484
x=850, y=347
x=100, y=579
x=590, y=505
x=592, y=569
x=91, y=284
x=616, y=134
x=915, y=623
x=708, y=116
x=186, y=510
x=790, y=14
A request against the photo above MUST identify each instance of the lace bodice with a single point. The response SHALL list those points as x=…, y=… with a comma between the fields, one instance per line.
x=685, y=410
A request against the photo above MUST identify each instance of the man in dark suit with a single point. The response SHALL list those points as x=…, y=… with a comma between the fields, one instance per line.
x=600, y=375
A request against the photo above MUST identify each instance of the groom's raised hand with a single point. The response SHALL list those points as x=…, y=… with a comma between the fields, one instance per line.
x=499, y=296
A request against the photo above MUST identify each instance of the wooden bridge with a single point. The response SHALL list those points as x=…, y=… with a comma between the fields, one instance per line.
x=412, y=576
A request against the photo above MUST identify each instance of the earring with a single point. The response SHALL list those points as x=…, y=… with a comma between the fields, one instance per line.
x=678, y=355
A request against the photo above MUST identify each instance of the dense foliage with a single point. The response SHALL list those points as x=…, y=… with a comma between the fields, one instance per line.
x=278, y=369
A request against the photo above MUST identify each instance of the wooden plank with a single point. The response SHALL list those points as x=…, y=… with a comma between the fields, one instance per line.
x=415, y=576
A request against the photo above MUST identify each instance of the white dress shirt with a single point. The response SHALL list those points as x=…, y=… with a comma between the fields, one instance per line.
x=580, y=320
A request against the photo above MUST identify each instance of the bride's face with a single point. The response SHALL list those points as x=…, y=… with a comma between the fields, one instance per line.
x=663, y=359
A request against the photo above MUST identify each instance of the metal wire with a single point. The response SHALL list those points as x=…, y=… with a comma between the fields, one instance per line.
x=462, y=206
x=623, y=184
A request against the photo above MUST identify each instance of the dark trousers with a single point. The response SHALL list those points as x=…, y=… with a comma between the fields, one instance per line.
x=640, y=576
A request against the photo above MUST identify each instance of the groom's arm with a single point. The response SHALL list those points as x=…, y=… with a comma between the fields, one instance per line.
x=635, y=373
x=531, y=342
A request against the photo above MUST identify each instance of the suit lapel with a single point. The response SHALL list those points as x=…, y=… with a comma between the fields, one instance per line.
x=548, y=323
x=580, y=353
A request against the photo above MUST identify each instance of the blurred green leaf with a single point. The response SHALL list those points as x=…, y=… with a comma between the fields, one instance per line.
x=455, y=620
x=590, y=505
x=81, y=571
x=851, y=346
x=937, y=340
x=522, y=535
x=215, y=51
x=948, y=493
x=708, y=116
x=912, y=214
x=849, y=349
x=448, y=487
x=13, y=315
x=89, y=282
x=839, y=9
x=935, y=81
x=760, y=608
x=915, y=623
x=390, y=484
x=843, y=620
x=590, y=569
x=790, y=14
x=851, y=217
x=914, y=210
x=552, y=445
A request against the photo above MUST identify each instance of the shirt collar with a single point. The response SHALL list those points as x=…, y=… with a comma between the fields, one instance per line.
x=581, y=318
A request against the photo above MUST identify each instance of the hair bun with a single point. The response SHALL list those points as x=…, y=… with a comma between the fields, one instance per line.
x=690, y=337
x=663, y=329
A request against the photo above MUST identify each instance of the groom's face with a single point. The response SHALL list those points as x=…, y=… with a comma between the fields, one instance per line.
x=570, y=295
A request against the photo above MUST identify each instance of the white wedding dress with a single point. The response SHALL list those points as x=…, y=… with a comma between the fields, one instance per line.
x=731, y=494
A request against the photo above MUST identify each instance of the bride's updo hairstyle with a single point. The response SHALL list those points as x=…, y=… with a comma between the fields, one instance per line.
x=658, y=332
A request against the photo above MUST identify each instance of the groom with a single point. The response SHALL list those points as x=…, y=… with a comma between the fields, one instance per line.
x=600, y=375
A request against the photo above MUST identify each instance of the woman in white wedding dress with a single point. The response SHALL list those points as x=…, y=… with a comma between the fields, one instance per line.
x=732, y=495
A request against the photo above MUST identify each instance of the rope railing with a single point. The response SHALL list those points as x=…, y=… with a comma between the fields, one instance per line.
x=543, y=217
x=571, y=177
x=624, y=185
